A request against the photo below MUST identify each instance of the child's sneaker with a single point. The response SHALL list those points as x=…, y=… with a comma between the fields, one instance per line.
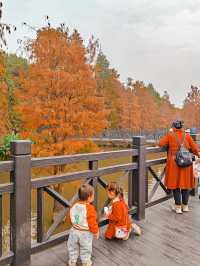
x=71, y=263
x=185, y=208
x=89, y=263
x=136, y=229
x=177, y=209
x=127, y=237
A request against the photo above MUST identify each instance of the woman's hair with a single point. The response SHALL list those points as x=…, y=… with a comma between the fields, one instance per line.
x=85, y=191
x=178, y=124
x=114, y=187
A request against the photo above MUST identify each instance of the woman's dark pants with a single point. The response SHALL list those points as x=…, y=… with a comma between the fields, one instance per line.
x=181, y=196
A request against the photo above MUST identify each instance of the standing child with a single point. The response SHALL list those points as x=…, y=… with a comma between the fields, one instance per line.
x=119, y=225
x=82, y=217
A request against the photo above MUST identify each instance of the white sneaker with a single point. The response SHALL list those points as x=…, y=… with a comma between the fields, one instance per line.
x=89, y=263
x=177, y=208
x=126, y=237
x=136, y=229
x=185, y=208
x=71, y=263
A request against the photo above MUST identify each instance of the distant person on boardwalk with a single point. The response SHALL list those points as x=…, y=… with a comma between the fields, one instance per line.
x=119, y=225
x=82, y=217
x=179, y=180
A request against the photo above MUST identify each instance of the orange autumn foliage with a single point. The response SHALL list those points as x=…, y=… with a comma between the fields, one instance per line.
x=167, y=111
x=191, y=108
x=149, y=113
x=71, y=147
x=2, y=65
x=130, y=110
x=109, y=87
x=58, y=93
x=3, y=99
x=3, y=109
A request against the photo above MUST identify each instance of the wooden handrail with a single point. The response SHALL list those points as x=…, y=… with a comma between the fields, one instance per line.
x=155, y=149
x=52, y=180
x=67, y=159
x=6, y=166
x=7, y=259
x=21, y=184
x=6, y=188
x=156, y=161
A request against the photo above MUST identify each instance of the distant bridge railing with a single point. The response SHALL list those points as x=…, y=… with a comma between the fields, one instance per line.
x=21, y=184
x=124, y=134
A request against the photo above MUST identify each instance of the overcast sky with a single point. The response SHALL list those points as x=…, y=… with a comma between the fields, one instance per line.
x=157, y=41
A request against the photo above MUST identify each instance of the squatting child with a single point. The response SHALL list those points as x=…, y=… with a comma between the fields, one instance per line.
x=119, y=225
x=82, y=217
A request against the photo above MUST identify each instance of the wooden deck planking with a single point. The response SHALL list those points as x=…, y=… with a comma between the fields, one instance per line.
x=168, y=240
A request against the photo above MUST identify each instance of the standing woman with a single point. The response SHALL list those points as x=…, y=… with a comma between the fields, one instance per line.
x=179, y=179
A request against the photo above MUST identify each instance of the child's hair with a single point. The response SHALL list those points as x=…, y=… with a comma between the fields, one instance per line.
x=114, y=187
x=85, y=191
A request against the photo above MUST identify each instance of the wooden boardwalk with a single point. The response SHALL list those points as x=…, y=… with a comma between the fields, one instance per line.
x=168, y=240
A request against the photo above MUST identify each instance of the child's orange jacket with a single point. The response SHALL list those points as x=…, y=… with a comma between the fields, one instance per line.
x=82, y=216
x=118, y=217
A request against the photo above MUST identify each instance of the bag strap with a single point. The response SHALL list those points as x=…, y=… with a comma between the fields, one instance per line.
x=177, y=139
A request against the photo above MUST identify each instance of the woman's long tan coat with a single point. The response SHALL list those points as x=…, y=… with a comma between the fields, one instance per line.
x=175, y=176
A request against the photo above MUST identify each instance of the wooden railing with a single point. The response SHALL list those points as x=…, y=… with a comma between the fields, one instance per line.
x=21, y=184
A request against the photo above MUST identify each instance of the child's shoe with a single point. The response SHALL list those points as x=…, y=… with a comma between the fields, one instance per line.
x=177, y=209
x=89, y=263
x=136, y=229
x=126, y=237
x=185, y=208
x=71, y=263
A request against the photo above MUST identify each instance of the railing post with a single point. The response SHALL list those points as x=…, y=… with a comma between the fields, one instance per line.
x=40, y=214
x=20, y=203
x=138, y=177
x=1, y=226
x=93, y=165
x=146, y=186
